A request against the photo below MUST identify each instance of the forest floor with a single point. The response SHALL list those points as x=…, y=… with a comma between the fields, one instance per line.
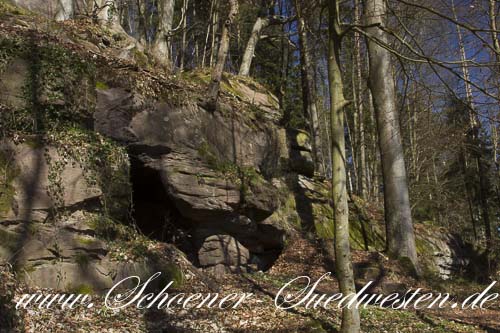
x=259, y=313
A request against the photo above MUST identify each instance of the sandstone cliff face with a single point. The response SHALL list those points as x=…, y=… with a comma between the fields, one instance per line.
x=213, y=168
x=99, y=156
x=192, y=176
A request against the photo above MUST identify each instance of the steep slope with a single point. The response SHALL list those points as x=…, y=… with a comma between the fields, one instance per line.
x=111, y=168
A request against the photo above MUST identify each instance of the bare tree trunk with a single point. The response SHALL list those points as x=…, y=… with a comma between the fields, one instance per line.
x=161, y=43
x=399, y=226
x=354, y=188
x=142, y=23
x=184, y=35
x=209, y=28
x=283, y=77
x=214, y=87
x=246, y=62
x=345, y=275
x=494, y=122
x=359, y=105
x=468, y=188
x=215, y=26
x=309, y=92
x=374, y=157
x=65, y=11
x=412, y=125
x=475, y=125
x=352, y=132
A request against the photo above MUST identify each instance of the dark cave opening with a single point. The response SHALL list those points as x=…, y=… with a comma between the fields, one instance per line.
x=153, y=211
x=157, y=217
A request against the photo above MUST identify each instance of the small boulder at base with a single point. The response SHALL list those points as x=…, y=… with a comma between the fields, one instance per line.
x=223, y=254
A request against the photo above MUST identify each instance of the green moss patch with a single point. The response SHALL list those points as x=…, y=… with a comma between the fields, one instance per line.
x=83, y=289
x=173, y=273
x=99, y=85
x=82, y=259
x=141, y=58
x=7, y=8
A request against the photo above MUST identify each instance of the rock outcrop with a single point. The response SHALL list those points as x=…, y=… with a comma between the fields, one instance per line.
x=444, y=254
x=50, y=252
x=214, y=167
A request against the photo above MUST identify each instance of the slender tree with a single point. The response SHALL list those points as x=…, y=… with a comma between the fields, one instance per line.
x=214, y=87
x=474, y=130
x=183, y=47
x=345, y=275
x=263, y=20
x=309, y=89
x=399, y=226
x=359, y=106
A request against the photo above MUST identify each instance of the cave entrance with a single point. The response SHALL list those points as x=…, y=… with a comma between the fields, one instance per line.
x=153, y=211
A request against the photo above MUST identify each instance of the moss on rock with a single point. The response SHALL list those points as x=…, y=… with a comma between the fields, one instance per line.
x=82, y=289
x=173, y=273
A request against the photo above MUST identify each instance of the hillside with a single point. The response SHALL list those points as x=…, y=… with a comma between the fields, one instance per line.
x=112, y=167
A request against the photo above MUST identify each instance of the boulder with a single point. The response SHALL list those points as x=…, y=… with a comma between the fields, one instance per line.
x=253, y=93
x=56, y=254
x=126, y=117
x=200, y=194
x=208, y=196
x=301, y=160
x=223, y=253
x=70, y=277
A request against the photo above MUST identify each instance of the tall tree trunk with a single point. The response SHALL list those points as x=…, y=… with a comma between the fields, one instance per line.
x=468, y=188
x=345, y=275
x=285, y=49
x=142, y=24
x=475, y=125
x=495, y=119
x=353, y=187
x=246, y=62
x=215, y=28
x=359, y=105
x=65, y=11
x=209, y=28
x=352, y=132
x=412, y=126
x=399, y=226
x=161, y=43
x=184, y=35
x=309, y=92
x=374, y=156
x=214, y=87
